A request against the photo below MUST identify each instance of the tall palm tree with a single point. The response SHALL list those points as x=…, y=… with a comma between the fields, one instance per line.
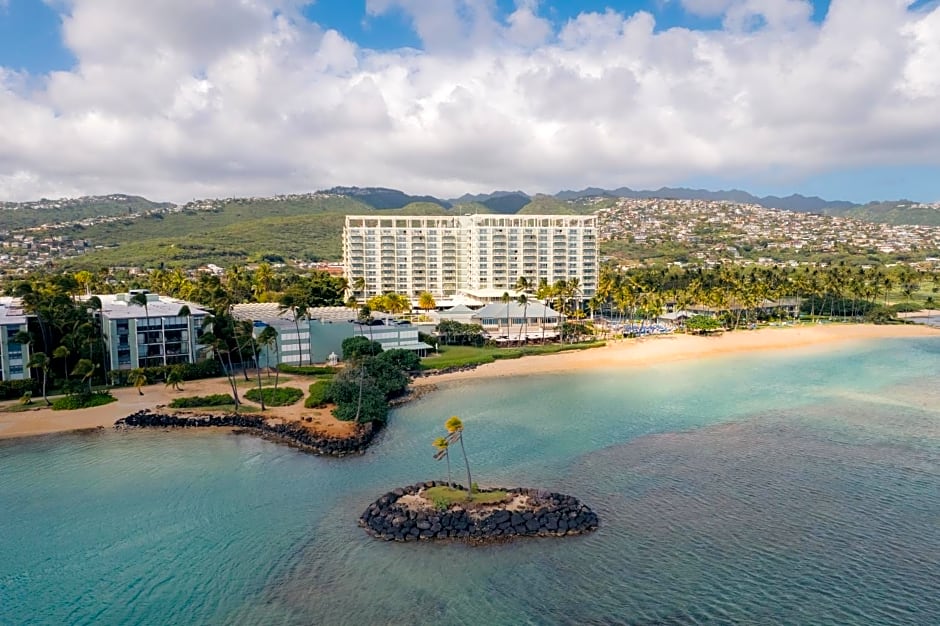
x=140, y=299
x=454, y=426
x=190, y=332
x=523, y=301
x=62, y=352
x=249, y=330
x=39, y=360
x=506, y=299
x=218, y=348
x=291, y=302
x=268, y=338
x=442, y=446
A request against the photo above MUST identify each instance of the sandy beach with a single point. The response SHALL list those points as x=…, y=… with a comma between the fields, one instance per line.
x=665, y=348
x=41, y=421
x=626, y=353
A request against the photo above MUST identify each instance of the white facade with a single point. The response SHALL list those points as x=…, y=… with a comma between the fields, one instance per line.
x=13, y=356
x=444, y=254
x=138, y=336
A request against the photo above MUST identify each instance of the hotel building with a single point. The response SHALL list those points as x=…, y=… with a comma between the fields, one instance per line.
x=444, y=254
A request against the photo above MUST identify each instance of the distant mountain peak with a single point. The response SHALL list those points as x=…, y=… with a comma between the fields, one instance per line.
x=383, y=197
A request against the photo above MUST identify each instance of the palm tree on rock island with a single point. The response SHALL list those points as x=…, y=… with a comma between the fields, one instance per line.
x=442, y=446
x=455, y=427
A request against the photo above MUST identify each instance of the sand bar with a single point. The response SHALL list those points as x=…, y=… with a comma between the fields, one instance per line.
x=626, y=353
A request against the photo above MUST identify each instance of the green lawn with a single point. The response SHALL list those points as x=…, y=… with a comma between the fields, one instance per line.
x=448, y=496
x=458, y=356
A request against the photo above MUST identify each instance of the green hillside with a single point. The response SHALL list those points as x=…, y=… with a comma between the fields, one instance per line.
x=17, y=215
x=897, y=213
x=542, y=204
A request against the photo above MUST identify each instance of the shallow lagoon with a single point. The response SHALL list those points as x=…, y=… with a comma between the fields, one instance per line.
x=798, y=487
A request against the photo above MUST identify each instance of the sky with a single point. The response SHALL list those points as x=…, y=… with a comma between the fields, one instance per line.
x=183, y=99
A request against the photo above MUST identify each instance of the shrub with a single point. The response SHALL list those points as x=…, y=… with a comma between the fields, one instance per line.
x=307, y=370
x=189, y=402
x=82, y=401
x=209, y=368
x=12, y=389
x=404, y=360
x=345, y=392
x=359, y=346
x=386, y=376
x=282, y=396
x=319, y=394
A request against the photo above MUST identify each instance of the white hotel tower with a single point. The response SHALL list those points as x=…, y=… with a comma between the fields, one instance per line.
x=441, y=255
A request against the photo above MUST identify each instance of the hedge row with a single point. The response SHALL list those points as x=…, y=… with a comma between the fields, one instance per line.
x=307, y=370
x=209, y=368
x=190, y=402
x=14, y=389
x=82, y=401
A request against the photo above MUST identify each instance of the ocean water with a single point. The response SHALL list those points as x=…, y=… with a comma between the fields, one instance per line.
x=768, y=488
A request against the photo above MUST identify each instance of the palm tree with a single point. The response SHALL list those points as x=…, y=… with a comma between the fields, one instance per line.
x=62, y=352
x=261, y=281
x=140, y=299
x=39, y=360
x=506, y=299
x=174, y=378
x=268, y=338
x=426, y=301
x=455, y=427
x=929, y=301
x=85, y=369
x=219, y=349
x=523, y=301
x=248, y=328
x=359, y=286
x=138, y=379
x=442, y=446
x=291, y=302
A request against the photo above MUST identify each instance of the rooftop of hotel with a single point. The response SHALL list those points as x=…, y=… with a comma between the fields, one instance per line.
x=119, y=306
x=11, y=311
x=272, y=313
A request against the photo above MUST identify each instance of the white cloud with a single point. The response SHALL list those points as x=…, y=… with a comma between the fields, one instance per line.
x=189, y=98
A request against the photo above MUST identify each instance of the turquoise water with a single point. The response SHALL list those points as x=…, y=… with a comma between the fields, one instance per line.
x=798, y=489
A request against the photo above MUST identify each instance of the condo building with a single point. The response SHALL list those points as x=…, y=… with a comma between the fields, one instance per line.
x=165, y=331
x=13, y=356
x=445, y=254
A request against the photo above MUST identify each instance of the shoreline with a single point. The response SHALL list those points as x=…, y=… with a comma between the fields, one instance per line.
x=616, y=354
x=681, y=347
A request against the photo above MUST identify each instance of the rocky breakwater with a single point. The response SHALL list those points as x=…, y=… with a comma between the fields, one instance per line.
x=405, y=515
x=291, y=433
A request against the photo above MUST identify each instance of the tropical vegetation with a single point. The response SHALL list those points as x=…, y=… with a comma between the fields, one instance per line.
x=283, y=396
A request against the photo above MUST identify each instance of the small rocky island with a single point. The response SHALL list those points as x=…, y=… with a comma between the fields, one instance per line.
x=413, y=513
